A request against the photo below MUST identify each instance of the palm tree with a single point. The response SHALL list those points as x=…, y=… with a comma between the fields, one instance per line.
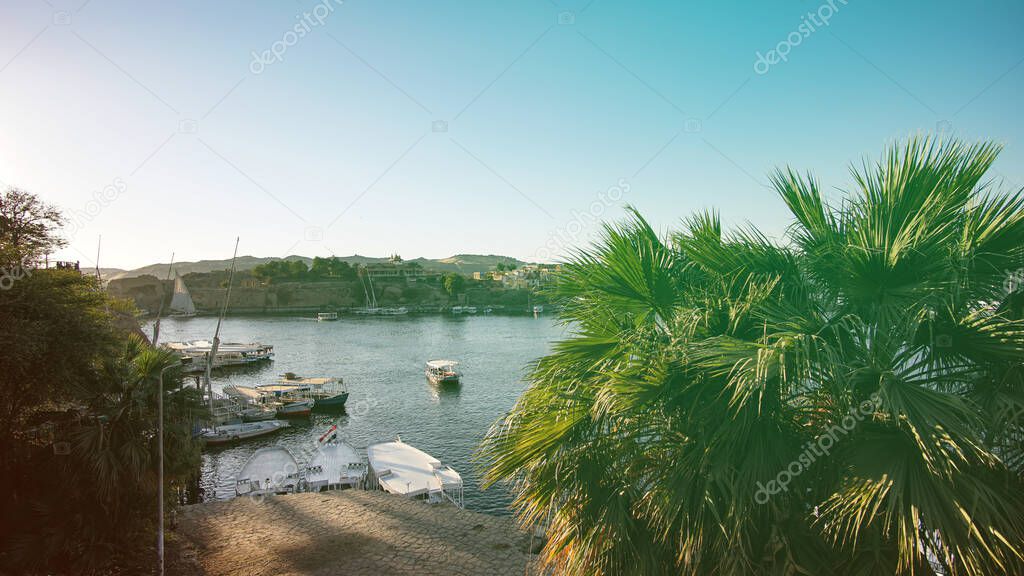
x=847, y=401
x=97, y=505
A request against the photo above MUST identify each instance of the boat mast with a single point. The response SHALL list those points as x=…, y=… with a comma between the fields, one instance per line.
x=160, y=308
x=216, y=334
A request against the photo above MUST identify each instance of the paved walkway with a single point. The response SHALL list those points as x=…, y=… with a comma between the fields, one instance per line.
x=353, y=532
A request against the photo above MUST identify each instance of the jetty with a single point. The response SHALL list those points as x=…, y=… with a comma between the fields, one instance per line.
x=351, y=532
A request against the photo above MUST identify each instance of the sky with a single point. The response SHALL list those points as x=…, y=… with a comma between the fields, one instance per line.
x=437, y=128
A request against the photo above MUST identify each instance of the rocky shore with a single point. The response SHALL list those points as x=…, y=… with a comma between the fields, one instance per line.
x=354, y=533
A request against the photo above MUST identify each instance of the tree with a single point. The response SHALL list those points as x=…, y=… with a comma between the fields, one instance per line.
x=849, y=401
x=453, y=283
x=28, y=227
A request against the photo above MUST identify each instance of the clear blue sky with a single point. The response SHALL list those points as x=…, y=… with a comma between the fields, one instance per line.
x=549, y=104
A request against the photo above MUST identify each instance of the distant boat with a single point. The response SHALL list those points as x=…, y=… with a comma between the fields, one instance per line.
x=326, y=316
x=442, y=371
x=336, y=465
x=181, y=301
x=399, y=468
x=394, y=311
x=227, y=433
x=268, y=471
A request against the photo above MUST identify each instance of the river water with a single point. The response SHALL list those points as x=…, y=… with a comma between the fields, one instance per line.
x=382, y=361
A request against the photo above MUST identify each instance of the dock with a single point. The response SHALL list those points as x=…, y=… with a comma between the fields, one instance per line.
x=351, y=532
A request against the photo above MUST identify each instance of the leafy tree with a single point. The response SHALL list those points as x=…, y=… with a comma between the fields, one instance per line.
x=453, y=283
x=28, y=227
x=332, y=267
x=847, y=402
x=281, y=270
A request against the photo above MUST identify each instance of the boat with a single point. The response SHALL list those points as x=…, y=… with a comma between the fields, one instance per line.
x=469, y=309
x=456, y=309
x=401, y=310
x=326, y=316
x=181, y=301
x=326, y=392
x=336, y=465
x=228, y=353
x=227, y=433
x=538, y=309
x=268, y=471
x=442, y=371
x=294, y=406
x=398, y=468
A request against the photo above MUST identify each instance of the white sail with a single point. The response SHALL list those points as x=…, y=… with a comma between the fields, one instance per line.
x=181, y=301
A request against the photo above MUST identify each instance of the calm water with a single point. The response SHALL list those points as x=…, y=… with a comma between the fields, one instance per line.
x=382, y=361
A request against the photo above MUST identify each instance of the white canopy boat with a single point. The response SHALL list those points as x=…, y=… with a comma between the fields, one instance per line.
x=227, y=433
x=399, y=468
x=326, y=316
x=443, y=371
x=181, y=301
x=268, y=471
x=228, y=353
x=336, y=465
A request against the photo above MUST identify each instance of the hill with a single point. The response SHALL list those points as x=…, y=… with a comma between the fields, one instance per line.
x=462, y=263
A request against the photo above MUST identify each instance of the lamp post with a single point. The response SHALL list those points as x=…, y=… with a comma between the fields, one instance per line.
x=160, y=411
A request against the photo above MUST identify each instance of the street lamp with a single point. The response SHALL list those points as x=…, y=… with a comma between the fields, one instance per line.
x=160, y=488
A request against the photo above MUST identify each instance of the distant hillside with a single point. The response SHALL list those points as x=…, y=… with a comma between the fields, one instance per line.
x=462, y=263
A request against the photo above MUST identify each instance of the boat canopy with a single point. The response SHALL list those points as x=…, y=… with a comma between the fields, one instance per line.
x=403, y=469
x=442, y=363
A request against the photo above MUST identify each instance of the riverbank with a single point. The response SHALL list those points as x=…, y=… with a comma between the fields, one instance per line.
x=353, y=532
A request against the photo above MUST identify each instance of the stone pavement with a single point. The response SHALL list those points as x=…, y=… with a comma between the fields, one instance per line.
x=353, y=532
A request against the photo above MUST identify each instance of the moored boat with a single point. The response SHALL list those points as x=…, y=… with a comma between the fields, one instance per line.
x=398, y=468
x=268, y=471
x=228, y=353
x=442, y=371
x=326, y=392
x=336, y=465
x=326, y=316
x=294, y=407
x=227, y=433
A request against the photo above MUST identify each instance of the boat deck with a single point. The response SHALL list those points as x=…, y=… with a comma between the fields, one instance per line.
x=406, y=470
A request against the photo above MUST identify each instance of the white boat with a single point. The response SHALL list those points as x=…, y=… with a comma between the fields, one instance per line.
x=336, y=465
x=326, y=316
x=227, y=433
x=401, y=310
x=228, y=353
x=457, y=309
x=181, y=301
x=443, y=371
x=399, y=468
x=268, y=471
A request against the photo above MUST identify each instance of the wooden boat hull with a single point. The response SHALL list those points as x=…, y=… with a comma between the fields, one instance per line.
x=231, y=433
x=335, y=402
x=295, y=409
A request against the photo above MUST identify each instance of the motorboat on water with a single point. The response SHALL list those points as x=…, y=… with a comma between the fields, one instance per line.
x=443, y=371
x=228, y=353
x=227, y=433
x=326, y=392
x=268, y=471
x=326, y=316
x=336, y=465
x=293, y=407
x=398, y=468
